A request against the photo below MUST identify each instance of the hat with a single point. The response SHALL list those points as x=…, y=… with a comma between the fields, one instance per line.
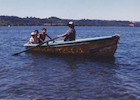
x=71, y=23
x=32, y=33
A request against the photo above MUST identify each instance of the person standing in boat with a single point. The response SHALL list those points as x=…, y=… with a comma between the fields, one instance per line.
x=70, y=34
x=43, y=35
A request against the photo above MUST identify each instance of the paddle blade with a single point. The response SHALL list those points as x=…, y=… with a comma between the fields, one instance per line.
x=16, y=54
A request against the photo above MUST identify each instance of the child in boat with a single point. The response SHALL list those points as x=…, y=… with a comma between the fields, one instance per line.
x=36, y=35
x=33, y=39
x=43, y=35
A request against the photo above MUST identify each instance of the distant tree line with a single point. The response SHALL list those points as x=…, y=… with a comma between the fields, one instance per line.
x=54, y=21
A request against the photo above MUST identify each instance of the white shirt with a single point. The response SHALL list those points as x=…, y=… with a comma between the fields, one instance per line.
x=32, y=40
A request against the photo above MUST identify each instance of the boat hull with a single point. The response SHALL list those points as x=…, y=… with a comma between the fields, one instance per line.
x=102, y=46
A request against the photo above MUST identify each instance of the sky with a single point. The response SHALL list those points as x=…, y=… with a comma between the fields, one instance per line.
x=73, y=9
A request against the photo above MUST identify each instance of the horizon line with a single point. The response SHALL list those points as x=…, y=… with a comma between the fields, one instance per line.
x=70, y=18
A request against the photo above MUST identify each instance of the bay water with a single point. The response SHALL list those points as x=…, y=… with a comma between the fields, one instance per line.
x=37, y=76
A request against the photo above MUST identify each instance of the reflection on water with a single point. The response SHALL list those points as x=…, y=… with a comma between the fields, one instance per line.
x=74, y=76
x=72, y=60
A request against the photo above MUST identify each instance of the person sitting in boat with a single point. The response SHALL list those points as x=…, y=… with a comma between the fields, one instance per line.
x=33, y=39
x=43, y=35
x=70, y=34
x=36, y=35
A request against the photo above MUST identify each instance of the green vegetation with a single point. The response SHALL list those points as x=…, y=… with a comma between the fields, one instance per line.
x=54, y=21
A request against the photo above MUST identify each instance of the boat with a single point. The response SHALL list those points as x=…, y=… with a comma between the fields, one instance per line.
x=98, y=46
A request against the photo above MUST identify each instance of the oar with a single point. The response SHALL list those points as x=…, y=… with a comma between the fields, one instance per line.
x=34, y=47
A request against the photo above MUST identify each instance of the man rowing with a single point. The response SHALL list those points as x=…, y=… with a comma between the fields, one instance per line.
x=70, y=34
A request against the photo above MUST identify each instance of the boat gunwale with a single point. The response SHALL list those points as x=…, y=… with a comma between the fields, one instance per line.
x=77, y=42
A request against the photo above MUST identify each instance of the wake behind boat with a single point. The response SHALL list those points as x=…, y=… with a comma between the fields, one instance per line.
x=99, y=46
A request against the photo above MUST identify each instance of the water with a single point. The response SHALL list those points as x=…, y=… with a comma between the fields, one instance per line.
x=39, y=77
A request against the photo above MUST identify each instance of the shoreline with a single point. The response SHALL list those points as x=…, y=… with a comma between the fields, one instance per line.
x=66, y=25
x=55, y=21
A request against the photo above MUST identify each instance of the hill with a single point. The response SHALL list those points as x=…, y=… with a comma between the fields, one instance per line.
x=54, y=21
